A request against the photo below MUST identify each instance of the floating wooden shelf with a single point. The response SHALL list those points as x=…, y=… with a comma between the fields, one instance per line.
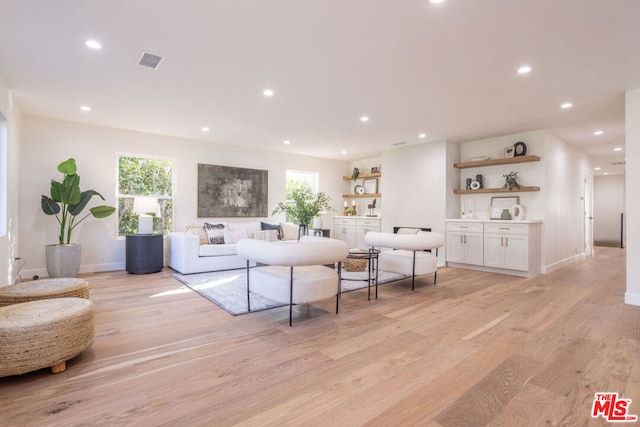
x=360, y=196
x=364, y=176
x=496, y=190
x=493, y=162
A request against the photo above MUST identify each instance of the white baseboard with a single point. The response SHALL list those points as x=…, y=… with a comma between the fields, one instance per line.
x=90, y=268
x=567, y=261
x=631, y=298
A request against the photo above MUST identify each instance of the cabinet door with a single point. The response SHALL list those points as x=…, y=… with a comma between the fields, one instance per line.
x=474, y=248
x=455, y=246
x=494, y=250
x=363, y=226
x=345, y=231
x=516, y=252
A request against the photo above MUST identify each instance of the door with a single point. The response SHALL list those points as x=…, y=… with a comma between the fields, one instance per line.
x=588, y=212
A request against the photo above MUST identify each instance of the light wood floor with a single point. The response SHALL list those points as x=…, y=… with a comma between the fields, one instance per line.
x=478, y=349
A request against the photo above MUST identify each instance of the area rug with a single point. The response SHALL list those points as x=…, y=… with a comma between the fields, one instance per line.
x=228, y=289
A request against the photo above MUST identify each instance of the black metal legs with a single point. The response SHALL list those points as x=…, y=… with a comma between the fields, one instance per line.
x=413, y=275
x=291, y=297
x=248, y=298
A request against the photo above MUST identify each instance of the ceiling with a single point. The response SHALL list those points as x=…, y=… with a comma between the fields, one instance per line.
x=448, y=70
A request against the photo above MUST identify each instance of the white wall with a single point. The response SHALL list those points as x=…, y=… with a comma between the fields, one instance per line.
x=563, y=228
x=48, y=142
x=560, y=175
x=632, y=149
x=9, y=241
x=529, y=174
x=608, y=204
x=414, y=187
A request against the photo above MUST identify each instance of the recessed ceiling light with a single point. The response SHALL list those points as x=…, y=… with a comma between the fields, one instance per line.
x=93, y=44
x=598, y=132
x=344, y=151
x=437, y=1
x=606, y=173
x=597, y=168
x=85, y=108
x=524, y=69
x=364, y=119
x=422, y=135
x=205, y=129
x=268, y=92
x=566, y=105
x=617, y=149
x=286, y=142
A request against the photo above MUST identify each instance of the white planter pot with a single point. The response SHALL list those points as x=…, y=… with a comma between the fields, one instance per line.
x=63, y=260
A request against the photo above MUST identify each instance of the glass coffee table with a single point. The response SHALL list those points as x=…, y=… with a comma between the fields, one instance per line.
x=371, y=256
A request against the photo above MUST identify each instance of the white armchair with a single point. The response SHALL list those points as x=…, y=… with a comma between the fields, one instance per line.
x=409, y=256
x=294, y=273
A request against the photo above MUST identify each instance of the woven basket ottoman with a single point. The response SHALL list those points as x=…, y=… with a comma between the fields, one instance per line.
x=42, y=334
x=65, y=287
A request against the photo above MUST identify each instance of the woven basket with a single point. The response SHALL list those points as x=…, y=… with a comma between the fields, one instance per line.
x=42, y=334
x=44, y=289
x=353, y=265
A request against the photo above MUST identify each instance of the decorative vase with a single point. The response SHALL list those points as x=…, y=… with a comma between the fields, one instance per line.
x=63, y=260
x=303, y=230
x=505, y=214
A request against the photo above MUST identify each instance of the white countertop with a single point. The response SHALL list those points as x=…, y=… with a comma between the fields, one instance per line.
x=497, y=221
x=358, y=216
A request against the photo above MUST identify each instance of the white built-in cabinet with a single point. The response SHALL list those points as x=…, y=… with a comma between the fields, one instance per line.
x=465, y=243
x=510, y=247
x=352, y=229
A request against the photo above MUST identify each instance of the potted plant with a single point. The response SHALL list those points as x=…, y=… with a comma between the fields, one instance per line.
x=66, y=203
x=303, y=207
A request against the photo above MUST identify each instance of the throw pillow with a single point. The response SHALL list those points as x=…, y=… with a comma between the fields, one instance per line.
x=267, y=226
x=215, y=233
x=231, y=237
x=198, y=230
x=267, y=235
x=289, y=231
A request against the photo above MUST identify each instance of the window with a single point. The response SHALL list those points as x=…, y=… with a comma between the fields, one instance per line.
x=144, y=176
x=296, y=179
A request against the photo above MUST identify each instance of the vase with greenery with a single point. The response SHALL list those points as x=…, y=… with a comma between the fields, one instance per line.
x=303, y=206
x=66, y=203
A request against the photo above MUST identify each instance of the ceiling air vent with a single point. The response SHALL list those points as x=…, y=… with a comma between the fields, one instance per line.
x=150, y=61
x=395, y=144
x=618, y=163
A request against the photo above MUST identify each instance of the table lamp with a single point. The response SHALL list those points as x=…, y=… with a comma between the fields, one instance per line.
x=143, y=206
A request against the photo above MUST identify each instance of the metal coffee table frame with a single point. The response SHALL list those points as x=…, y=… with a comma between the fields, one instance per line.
x=371, y=255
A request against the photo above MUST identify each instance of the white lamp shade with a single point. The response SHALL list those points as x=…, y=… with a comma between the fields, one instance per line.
x=146, y=205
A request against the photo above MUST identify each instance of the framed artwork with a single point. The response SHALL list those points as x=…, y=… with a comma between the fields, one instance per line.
x=370, y=185
x=225, y=191
x=509, y=152
x=500, y=203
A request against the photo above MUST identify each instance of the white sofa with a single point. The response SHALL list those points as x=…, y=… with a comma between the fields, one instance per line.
x=190, y=252
x=294, y=273
x=408, y=254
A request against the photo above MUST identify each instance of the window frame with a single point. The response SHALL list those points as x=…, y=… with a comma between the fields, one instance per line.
x=172, y=197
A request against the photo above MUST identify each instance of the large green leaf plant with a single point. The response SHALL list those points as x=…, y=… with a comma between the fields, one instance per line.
x=67, y=201
x=304, y=205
